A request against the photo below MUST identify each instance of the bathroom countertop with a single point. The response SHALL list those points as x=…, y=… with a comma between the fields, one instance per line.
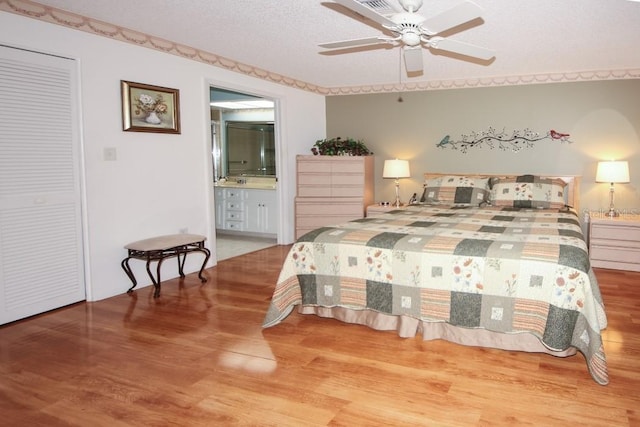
x=257, y=183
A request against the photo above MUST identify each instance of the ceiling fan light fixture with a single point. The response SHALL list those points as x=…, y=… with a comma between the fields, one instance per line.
x=411, y=38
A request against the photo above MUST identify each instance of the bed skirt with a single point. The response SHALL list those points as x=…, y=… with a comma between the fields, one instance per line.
x=407, y=327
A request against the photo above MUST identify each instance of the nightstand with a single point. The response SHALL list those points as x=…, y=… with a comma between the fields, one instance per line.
x=615, y=242
x=375, y=210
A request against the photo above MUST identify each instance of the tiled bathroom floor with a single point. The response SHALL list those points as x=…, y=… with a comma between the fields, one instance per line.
x=229, y=246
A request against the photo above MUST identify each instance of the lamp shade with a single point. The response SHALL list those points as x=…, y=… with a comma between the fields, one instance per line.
x=396, y=169
x=613, y=171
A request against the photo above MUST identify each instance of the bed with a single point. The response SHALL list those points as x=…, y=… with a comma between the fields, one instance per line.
x=483, y=260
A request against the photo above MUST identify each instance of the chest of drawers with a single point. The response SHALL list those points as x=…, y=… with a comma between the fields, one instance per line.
x=331, y=190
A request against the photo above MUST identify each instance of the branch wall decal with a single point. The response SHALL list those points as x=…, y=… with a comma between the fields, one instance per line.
x=514, y=141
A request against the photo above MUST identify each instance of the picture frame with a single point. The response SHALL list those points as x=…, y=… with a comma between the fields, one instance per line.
x=149, y=108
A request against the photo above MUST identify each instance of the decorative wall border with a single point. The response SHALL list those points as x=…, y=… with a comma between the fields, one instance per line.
x=78, y=22
x=489, y=82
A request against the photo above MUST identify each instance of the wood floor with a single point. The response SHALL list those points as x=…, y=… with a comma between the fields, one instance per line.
x=197, y=356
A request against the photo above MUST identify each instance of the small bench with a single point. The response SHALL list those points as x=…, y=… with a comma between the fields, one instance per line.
x=161, y=248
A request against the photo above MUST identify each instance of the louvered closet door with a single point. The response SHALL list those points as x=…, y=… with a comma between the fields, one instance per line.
x=41, y=259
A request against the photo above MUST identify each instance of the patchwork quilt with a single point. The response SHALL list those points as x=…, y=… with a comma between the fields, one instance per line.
x=503, y=269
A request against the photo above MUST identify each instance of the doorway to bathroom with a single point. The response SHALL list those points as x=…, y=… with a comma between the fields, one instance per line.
x=243, y=150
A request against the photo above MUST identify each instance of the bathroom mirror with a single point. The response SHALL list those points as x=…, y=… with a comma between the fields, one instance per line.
x=243, y=139
x=250, y=148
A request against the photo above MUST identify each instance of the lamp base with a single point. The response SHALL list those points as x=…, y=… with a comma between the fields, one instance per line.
x=397, y=203
x=613, y=213
x=612, y=210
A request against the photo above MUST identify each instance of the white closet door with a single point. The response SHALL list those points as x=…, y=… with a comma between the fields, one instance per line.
x=41, y=255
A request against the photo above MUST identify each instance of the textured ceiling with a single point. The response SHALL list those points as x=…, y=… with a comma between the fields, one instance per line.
x=530, y=37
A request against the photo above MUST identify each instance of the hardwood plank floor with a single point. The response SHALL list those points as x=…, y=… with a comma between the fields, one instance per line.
x=197, y=356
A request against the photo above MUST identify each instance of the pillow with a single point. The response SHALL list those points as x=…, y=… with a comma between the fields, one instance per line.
x=456, y=190
x=528, y=191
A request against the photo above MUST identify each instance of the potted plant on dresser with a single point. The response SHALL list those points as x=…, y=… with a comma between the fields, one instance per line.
x=334, y=184
x=340, y=147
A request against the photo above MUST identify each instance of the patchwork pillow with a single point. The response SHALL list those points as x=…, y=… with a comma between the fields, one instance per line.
x=456, y=190
x=528, y=191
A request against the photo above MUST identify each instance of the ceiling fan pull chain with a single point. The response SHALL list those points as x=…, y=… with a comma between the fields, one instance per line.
x=400, y=76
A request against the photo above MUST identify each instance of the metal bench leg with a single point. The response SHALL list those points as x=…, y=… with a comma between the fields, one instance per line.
x=156, y=281
x=207, y=254
x=181, y=263
x=127, y=269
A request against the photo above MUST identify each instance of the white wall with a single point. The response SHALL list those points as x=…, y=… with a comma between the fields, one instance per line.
x=602, y=118
x=160, y=183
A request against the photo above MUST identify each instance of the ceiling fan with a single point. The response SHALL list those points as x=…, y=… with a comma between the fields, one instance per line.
x=413, y=31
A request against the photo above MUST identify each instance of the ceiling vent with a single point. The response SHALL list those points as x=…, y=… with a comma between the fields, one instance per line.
x=381, y=6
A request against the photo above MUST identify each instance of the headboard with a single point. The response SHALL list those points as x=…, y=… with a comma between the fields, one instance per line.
x=573, y=183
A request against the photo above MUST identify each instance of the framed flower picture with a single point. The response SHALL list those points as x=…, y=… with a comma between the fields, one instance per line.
x=147, y=108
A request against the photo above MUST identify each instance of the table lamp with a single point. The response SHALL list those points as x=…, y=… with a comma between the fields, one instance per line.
x=396, y=169
x=612, y=172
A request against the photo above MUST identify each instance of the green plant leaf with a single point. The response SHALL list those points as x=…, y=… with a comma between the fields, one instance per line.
x=340, y=147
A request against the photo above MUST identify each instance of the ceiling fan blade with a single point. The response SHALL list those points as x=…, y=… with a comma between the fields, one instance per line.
x=413, y=59
x=461, y=48
x=363, y=10
x=457, y=15
x=355, y=42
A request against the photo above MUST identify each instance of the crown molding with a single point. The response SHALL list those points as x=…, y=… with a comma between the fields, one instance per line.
x=78, y=22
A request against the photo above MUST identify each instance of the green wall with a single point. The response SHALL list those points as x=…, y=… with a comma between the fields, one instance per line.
x=602, y=118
